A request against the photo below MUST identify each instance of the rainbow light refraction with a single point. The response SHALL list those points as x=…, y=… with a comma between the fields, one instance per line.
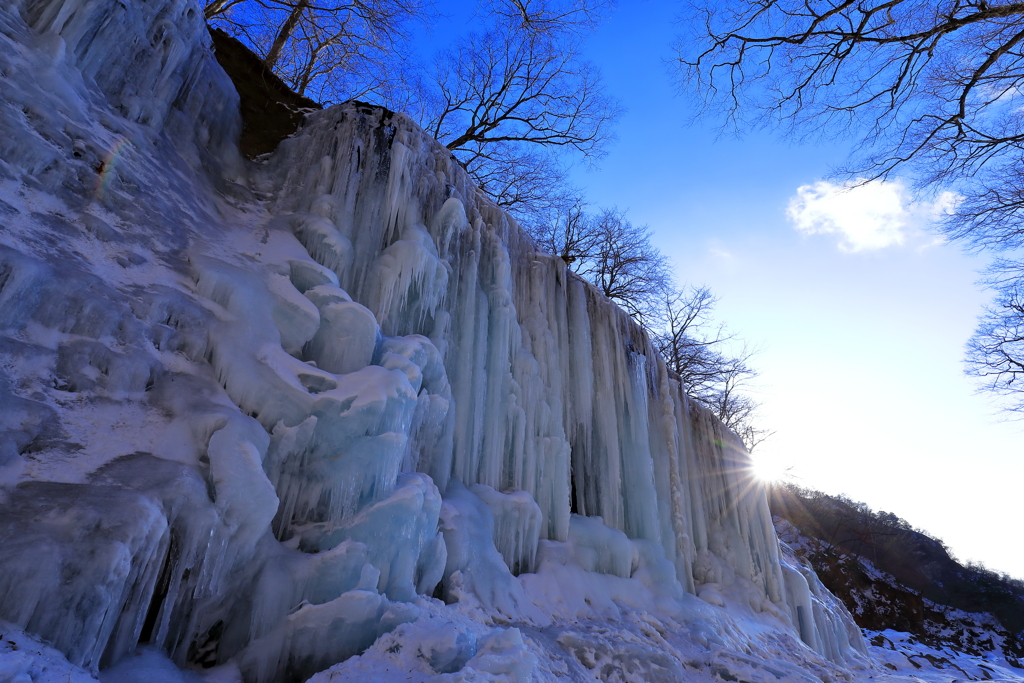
x=106, y=170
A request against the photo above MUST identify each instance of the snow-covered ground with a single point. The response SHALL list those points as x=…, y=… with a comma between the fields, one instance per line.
x=638, y=648
x=904, y=656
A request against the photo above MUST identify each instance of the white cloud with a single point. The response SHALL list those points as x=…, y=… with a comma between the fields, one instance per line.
x=865, y=215
x=720, y=253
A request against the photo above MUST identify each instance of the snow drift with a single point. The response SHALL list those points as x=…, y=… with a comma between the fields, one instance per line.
x=265, y=417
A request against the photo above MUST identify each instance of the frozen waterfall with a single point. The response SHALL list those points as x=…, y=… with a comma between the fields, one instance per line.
x=266, y=415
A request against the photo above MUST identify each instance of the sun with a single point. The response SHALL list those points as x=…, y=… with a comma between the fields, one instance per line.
x=771, y=468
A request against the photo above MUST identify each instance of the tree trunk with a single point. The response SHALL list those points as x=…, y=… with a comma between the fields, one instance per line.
x=285, y=33
x=216, y=7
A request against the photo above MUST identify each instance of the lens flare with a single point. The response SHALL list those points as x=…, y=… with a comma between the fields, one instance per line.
x=770, y=469
x=106, y=171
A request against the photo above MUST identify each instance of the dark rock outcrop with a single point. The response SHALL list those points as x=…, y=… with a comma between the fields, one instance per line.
x=271, y=111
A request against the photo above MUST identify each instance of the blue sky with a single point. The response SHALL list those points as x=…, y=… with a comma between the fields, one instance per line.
x=861, y=326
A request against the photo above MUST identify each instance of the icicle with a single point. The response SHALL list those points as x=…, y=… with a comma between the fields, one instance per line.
x=517, y=526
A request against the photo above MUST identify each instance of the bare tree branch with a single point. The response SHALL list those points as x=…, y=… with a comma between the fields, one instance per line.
x=625, y=266
x=512, y=89
x=514, y=102
x=550, y=16
x=695, y=350
x=995, y=354
x=931, y=87
x=934, y=83
x=332, y=50
x=608, y=251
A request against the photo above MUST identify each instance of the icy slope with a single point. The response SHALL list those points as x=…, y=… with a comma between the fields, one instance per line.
x=267, y=416
x=879, y=600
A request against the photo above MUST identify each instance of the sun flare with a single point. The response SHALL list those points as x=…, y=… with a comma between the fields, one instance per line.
x=771, y=469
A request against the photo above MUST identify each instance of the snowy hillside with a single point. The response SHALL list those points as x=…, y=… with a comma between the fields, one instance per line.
x=891, y=576
x=330, y=415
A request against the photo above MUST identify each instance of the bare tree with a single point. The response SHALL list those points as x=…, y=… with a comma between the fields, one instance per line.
x=511, y=102
x=689, y=348
x=995, y=354
x=932, y=85
x=934, y=82
x=515, y=102
x=626, y=267
x=520, y=178
x=567, y=231
x=331, y=50
x=934, y=88
x=695, y=349
x=514, y=87
x=608, y=251
x=729, y=402
x=551, y=16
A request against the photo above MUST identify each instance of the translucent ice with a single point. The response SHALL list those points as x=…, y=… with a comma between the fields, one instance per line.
x=255, y=414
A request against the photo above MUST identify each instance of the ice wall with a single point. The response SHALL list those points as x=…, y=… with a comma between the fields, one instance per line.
x=251, y=412
x=554, y=391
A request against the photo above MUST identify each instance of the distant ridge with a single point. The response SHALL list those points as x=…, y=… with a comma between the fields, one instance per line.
x=892, y=576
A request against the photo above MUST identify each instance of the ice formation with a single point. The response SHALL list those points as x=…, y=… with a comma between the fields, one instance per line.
x=333, y=407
